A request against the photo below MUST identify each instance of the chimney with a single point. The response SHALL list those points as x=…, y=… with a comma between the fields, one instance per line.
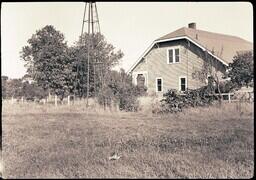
x=192, y=25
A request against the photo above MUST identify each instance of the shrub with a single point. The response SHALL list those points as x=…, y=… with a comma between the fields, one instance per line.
x=176, y=102
x=119, y=90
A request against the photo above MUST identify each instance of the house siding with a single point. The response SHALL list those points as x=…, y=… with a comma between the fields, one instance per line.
x=191, y=59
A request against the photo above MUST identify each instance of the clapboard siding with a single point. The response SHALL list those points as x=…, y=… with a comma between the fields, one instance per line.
x=155, y=64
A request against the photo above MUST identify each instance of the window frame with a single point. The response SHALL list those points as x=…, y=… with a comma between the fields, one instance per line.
x=173, y=55
x=162, y=84
x=186, y=83
x=135, y=74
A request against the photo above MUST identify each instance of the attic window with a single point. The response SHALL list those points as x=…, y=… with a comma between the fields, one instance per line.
x=173, y=55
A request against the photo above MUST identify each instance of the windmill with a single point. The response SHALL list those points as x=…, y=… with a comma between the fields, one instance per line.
x=91, y=26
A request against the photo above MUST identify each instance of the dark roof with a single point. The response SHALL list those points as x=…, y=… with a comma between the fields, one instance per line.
x=223, y=46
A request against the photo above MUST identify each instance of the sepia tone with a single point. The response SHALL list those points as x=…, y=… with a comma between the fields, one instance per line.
x=112, y=105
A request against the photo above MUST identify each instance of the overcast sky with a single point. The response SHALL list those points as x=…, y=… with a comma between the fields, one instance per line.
x=129, y=26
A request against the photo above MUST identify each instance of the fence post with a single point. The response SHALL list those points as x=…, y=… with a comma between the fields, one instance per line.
x=56, y=103
x=68, y=100
x=229, y=98
x=250, y=96
x=12, y=100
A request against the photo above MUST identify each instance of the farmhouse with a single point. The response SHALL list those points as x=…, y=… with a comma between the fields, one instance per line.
x=175, y=60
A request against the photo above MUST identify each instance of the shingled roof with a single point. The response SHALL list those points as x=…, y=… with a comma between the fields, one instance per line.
x=221, y=45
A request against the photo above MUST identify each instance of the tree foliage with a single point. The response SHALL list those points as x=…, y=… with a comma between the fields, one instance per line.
x=14, y=88
x=102, y=59
x=4, y=82
x=240, y=71
x=64, y=70
x=17, y=88
x=174, y=102
x=46, y=59
x=118, y=90
x=32, y=91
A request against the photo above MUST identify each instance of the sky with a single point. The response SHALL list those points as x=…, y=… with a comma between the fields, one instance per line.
x=129, y=26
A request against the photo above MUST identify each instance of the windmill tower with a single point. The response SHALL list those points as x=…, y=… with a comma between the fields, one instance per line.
x=90, y=26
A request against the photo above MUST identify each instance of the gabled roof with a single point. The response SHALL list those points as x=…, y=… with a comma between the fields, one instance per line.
x=222, y=47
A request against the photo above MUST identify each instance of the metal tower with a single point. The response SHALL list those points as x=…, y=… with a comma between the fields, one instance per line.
x=91, y=26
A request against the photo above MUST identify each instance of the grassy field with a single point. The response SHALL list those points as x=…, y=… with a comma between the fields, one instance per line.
x=60, y=142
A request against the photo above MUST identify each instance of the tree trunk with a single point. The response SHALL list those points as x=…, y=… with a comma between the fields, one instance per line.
x=218, y=88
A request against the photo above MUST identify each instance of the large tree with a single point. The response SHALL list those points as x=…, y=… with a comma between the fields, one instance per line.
x=47, y=61
x=240, y=71
x=102, y=58
x=64, y=70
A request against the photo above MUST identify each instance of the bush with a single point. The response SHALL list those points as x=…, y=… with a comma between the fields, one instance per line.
x=176, y=102
x=119, y=91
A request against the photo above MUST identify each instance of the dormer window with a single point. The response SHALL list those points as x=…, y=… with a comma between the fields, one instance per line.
x=173, y=55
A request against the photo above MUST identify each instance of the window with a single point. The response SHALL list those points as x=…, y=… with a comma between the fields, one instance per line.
x=183, y=84
x=173, y=55
x=141, y=80
x=177, y=55
x=159, y=84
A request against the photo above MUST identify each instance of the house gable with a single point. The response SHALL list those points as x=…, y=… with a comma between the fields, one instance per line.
x=220, y=46
x=155, y=64
x=174, y=39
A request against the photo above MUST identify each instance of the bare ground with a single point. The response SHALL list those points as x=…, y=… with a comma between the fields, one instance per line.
x=49, y=142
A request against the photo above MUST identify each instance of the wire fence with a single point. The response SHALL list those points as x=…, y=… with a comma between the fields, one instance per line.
x=243, y=96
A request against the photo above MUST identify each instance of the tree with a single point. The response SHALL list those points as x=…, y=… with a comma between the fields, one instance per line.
x=210, y=73
x=119, y=90
x=14, y=88
x=62, y=69
x=32, y=91
x=47, y=61
x=102, y=59
x=240, y=71
x=4, y=83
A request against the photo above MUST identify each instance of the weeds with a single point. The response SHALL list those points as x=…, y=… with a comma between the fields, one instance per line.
x=66, y=142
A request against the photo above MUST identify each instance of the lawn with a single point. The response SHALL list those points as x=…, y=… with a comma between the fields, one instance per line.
x=69, y=142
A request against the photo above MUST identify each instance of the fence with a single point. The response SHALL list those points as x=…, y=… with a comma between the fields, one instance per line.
x=238, y=96
x=247, y=96
x=49, y=100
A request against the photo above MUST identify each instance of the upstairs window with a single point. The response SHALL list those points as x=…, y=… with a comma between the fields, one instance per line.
x=173, y=55
x=177, y=55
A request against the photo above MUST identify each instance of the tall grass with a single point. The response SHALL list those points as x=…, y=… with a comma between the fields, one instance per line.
x=75, y=141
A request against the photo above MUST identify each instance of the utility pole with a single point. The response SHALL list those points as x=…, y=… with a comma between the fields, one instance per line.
x=93, y=27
